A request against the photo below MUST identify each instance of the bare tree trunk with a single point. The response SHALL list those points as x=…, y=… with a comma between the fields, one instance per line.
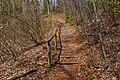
x=101, y=38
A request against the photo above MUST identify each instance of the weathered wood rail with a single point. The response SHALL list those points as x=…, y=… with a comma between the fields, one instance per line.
x=55, y=38
x=49, y=51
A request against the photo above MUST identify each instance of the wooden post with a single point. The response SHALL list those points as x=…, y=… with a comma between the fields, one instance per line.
x=55, y=41
x=49, y=53
x=59, y=35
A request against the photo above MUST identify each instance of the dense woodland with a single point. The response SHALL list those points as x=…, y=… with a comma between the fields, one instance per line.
x=59, y=40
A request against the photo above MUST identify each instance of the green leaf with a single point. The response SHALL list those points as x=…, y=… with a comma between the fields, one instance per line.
x=34, y=62
x=117, y=63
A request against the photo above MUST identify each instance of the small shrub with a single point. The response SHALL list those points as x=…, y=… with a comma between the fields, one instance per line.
x=34, y=62
x=93, y=78
x=47, y=67
x=117, y=63
x=68, y=17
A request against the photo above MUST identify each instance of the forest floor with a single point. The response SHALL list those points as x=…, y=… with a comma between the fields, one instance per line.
x=91, y=63
x=90, y=66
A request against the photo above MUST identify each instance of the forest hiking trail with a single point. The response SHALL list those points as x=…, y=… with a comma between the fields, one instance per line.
x=78, y=61
x=69, y=41
x=69, y=62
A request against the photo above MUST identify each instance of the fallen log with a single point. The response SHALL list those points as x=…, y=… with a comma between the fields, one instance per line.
x=23, y=75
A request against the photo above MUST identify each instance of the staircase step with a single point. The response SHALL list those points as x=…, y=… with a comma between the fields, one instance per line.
x=59, y=48
x=67, y=63
x=67, y=52
x=68, y=56
x=65, y=48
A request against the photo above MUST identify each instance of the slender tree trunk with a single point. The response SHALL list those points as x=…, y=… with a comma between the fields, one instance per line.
x=101, y=38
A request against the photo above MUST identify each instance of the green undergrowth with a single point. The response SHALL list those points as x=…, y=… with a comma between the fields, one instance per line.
x=68, y=17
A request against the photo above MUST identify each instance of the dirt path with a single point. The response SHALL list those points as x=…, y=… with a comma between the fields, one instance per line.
x=90, y=61
x=70, y=47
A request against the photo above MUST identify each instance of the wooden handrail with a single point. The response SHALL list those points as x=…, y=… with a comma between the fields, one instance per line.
x=51, y=38
x=49, y=51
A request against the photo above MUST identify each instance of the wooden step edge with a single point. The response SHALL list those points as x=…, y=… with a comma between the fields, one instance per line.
x=59, y=48
x=67, y=63
x=68, y=56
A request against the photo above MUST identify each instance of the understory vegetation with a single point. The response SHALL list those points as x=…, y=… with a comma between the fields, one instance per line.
x=34, y=34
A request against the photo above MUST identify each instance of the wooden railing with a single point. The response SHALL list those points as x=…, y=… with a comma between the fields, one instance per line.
x=55, y=38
